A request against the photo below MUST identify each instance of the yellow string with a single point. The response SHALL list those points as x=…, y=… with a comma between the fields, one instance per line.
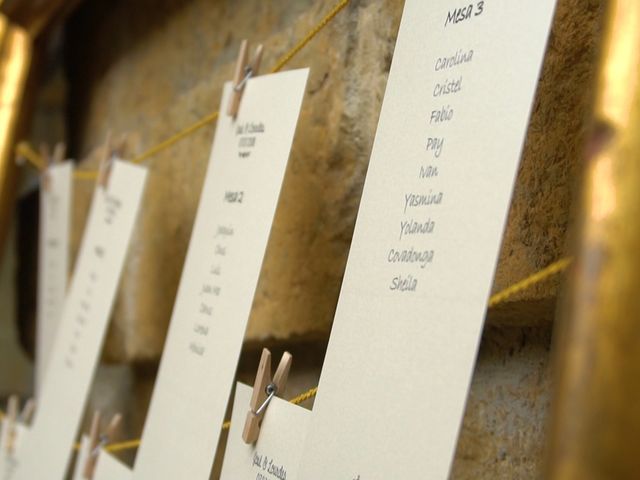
x=304, y=396
x=314, y=31
x=538, y=277
x=24, y=149
x=176, y=138
x=85, y=174
x=210, y=118
x=500, y=297
x=117, y=447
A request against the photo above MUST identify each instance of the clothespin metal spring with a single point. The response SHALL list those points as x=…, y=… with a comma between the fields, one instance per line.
x=248, y=73
x=271, y=391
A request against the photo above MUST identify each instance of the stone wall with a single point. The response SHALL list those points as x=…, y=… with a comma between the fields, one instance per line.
x=150, y=68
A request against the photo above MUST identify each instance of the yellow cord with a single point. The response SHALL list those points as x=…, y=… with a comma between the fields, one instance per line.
x=500, y=297
x=304, y=396
x=117, y=447
x=25, y=150
x=176, y=138
x=309, y=36
x=538, y=277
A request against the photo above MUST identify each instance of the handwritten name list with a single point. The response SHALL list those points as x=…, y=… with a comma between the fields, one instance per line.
x=426, y=241
x=48, y=447
x=53, y=259
x=221, y=270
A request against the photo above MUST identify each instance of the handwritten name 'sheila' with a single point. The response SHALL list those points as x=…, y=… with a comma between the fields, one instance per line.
x=461, y=14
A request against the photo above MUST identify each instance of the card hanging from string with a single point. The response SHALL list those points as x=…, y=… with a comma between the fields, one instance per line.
x=112, y=149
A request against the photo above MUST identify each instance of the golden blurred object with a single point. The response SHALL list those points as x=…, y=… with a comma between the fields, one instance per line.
x=15, y=59
x=595, y=428
x=36, y=15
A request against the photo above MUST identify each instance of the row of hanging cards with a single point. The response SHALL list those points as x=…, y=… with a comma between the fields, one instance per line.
x=410, y=314
x=53, y=267
x=279, y=460
x=46, y=449
x=399, y=362
x=222, y=267
x=53, y=259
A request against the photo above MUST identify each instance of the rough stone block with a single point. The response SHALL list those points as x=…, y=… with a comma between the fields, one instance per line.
x=155, y=67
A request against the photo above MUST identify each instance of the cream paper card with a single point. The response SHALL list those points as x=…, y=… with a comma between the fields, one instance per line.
x=276, y=454
x=212, y=307
x=85, y=315
x=107, y=466
x=8, y=461
x=53, y=259
x=408, y=322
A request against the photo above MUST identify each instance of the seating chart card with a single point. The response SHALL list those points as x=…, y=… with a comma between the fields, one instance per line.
x=53, y=258
x=425, y=246
x=8, y=460
x=107, y=466
x=222, y=267
x=276, y=454
x=78, y=343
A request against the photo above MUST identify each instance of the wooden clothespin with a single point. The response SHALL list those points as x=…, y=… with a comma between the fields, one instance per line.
x=45, y=154
x=111, y=149
x=59, y=152
x=244, y=71
x=58, y=156
x=27, y=411
x=264, y=389
x=12, y=420
x=98, y=440
x=13, y=404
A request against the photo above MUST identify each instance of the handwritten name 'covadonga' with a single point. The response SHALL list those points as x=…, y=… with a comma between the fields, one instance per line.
x=421, y=257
